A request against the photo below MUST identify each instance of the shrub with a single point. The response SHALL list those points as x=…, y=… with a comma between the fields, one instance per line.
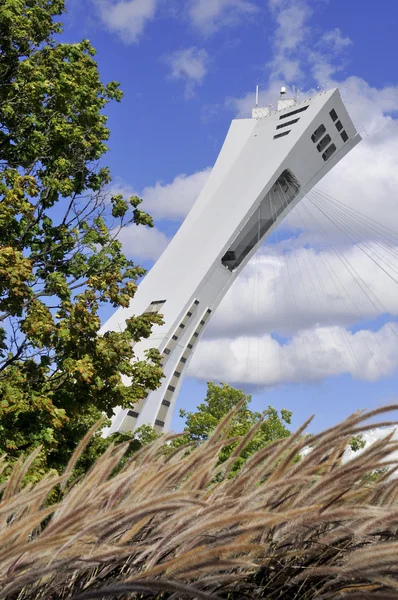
x=161, y=527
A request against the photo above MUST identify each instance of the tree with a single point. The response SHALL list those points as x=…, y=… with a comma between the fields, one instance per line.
x=60, y=258
x=219, y=401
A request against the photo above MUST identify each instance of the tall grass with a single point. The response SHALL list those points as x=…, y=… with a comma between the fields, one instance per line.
x=176, y=525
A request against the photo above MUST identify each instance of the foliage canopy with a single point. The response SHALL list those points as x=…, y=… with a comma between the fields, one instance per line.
x=60, y=258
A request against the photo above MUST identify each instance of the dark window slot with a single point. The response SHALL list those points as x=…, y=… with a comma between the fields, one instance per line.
x=171, y=388
x=177, y=374
x=159, y=423
x=282, y=134
x=288, y=123
x=166, y=403
x=190, y=346
x=175, y=337
x=202, y=322
x=294, y=112
x=324, y=142
x=318, y=133
x=196, y=302
x=331, y=150
x=189, y=314
x=183, y=360
x=133, y=414
x=196, y=334
x=339, y=125
x=333, y=115
x=167, y=351
x=208, y=311
x=182, y=326
x=344, y=136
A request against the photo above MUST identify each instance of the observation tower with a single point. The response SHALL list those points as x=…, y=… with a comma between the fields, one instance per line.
x=267, y=164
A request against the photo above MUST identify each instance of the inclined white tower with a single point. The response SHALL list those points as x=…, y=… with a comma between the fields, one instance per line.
x=266, y=166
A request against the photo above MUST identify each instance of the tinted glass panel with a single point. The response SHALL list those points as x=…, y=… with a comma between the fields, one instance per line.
x=294, y=112
x=339, y=126
x=324, y=142
x=333, y=114
x=288, y=123
x=166, y=403
x=133, y=414
x=318, y=133
x=344, y=136
x=281, y=134
x=159, y=423
x=331, y=150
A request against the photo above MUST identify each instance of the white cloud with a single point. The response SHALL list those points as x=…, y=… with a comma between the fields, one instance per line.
x=126, y=18
x=309, y=356
x=291, y=32
x=303, y=289
x=143, y=243
x=170, y=201
x=209, y=15
x=190, y=65
x=334, y=40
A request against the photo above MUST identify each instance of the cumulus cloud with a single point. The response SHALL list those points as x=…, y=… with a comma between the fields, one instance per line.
x=334, y=40
x=126, y=18
x=291, y=18
x=209, y=15
x=170, y=201
x=142, y=243
x=189, y=65
x=312, y=290
x=285, y=291
x=309, y=356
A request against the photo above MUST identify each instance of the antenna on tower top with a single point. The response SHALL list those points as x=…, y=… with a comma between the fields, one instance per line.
x=256, y=95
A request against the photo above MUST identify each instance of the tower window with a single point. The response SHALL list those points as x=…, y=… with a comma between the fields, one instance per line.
x=183, y=360
x=344, y=136
x=339, y=126
x=182, y=326
x=167, y=351
x=196, y=302
x=318, y=133
x=189, y=314
x=190, y=346
x=133, y=414
x=171, y=388
x=333, y=115
x=331, y=150
x=196, y=334
x=177, y=374
x=324, y=142
x=294, y=112
x=202, y=322
x=166, y=403
x=279, y=135
x=159, y=423
x=155, y=306
x=175, y=337
x=208, y=311
x=288, y=123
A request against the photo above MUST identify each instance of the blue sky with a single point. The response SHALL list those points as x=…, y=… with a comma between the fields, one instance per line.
x=187, y=67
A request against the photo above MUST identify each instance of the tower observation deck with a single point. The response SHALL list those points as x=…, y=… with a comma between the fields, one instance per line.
x=267, y=164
